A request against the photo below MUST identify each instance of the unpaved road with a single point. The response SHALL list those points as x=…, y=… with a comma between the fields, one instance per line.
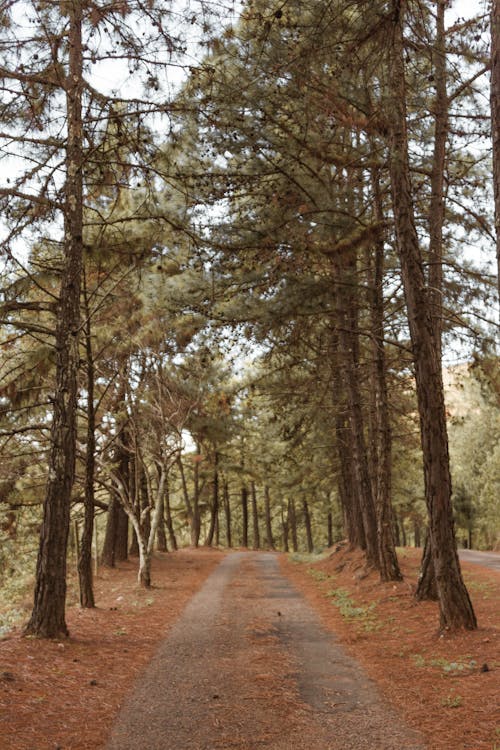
x=248, y=666
x=486, y=559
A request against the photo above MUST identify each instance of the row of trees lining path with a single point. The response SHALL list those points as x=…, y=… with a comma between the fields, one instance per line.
x=306, y=188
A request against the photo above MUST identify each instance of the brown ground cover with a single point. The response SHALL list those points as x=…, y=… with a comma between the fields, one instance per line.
x=66, y=694
x=437, y=682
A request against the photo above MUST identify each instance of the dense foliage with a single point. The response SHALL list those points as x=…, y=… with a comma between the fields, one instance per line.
x=251, y=293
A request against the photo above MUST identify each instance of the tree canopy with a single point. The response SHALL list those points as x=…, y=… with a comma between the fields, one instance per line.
x=240, y=248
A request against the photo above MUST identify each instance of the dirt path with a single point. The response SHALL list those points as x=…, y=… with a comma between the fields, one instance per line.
x=248, y=666
x=486, y=559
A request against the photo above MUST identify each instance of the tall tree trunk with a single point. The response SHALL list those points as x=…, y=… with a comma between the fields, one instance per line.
x=196, y=523
x=267, y=511
x=214, y=511
x=134, y=495
x=145, y=502
x=402, y=529
x=244, y=517
x=330, y=529
x=85, y=556
x=48, y=616
x=416, y=533
x=455, y=606
x=397, y=533
x=348, y=497
x=168, y=518
x=436, y=222
x=347, y=314
x=495, y=120
x=285, y=526
x=144, y=574
x=115, y=547
x=121, y=535
x=108, y=549
x=187, y=501
x=388, y=561
x=161, y=537
x=437, y=202
x=292, y=524
x=255, y=517
x=307, y=524
x=227, y=514
x=426, y=584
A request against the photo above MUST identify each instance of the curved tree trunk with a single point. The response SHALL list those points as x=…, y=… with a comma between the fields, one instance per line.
x=426, y=585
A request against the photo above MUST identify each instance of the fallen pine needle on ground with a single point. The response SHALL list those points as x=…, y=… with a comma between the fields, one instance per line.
x=66, y=694
x=446, y=686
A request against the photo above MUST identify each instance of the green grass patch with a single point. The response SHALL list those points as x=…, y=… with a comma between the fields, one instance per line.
x=364, y=614
x=452, y=701
x=446, y=667
x=319, y=575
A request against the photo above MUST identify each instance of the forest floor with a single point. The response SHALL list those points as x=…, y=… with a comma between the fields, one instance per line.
x=67, y=694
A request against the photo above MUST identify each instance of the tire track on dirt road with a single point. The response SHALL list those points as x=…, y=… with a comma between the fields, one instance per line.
x=248, y=666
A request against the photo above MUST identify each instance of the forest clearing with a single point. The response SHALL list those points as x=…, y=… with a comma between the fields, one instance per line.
x=67, y=693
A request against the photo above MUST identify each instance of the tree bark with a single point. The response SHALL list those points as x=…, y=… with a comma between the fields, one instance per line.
x=161, y=537
x=455, y=606
x=388, y=561
x=192, y=512
x=227, y=514
x=416, y=534
x=285, y=530
x=437, y=202
x=267, y=510
x=347, y=320
x=244, y=517
x=255, y=517
x=292, y=524
x=348, y=497
x=196, y=520
x=85, y=573
x=495, y=121
x=307, y=524
x=330, y=529
x=48, y=616
x=214, y=511
x=168, y=518
x=426, y=584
